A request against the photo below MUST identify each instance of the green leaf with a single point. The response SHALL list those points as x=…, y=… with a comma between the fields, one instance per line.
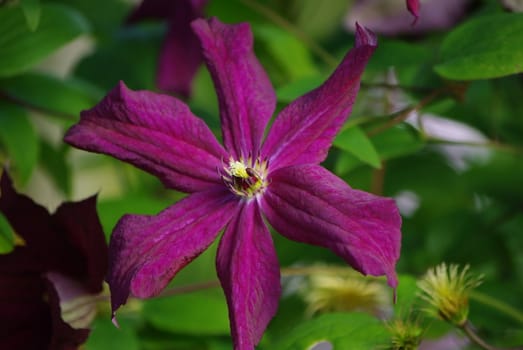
x=65, y=97
x=399, y=140
x=53, y=160
x=500, y=177
x=407, y=293
x=398, y=54
x=7, y=237
x=19, y=138
x=483, y=48
x=318, y=19
x=105, y=17
x=355, y=331
x=105, y=67
x=110, y=211
x=105, y=336
x=32, y=11
x=21, y=48
x=289, y=92
x=204, y=312
x=356, y=142
x=289, y=53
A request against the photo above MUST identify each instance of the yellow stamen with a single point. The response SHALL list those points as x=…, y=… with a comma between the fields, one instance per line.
x=238, y=169
x=245, y=177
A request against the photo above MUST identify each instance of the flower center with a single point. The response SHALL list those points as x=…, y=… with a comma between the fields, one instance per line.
x=245, y=178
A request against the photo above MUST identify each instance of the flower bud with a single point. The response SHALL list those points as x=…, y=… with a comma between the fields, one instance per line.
x=447, y=290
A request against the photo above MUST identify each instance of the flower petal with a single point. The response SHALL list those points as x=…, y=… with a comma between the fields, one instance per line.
x=245, y=94
x=413, y=7
x=250, y=276
x=43, y=247
x=25, y=317
x=390, y=18
x=152, y=9
x=303, y=132
x=309, y=204
x=179, y=60
x=146, y=252
x=180, y=56
x=154, y=132
x=70, y=241
x=80, y=220
x=64, y=335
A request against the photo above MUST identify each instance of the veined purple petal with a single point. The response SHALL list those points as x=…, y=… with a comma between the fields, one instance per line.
x=304, y=130
x=157, y=133
x=146, y=252
x=245, y=94
x=249, y=272
x=307, y=203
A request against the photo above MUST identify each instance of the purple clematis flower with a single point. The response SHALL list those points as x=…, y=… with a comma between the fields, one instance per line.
x=180, y=56
x=63, y=257
x=242, y=184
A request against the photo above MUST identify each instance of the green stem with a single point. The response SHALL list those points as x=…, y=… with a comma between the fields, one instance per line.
x=475, y=338
x=190, y=288
x=389, y=86
x=488, y=144
x=498, y=305
x=404, y=114
x=287, y=271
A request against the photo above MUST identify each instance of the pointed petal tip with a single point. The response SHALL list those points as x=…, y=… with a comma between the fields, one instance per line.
x=365, y=36
x=120, y=90
x=392, y=280
x=197, y=24
x=414, y=6
x=395, y=296
x=114, y=320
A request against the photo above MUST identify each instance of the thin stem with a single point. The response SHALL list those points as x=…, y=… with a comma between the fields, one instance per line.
x=291, y=28
x=287, y=271
x=378, y=180
x=403, y=115
x=498, y=305
x=389, y=86
x=474, y=337
x=489, y=144
x=190, y=288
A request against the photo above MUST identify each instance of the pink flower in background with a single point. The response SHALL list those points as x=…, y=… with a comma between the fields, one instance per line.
x=63, y=257
x=413, y=7
x=390, y=18
x=180, y=56
x=236, y=187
